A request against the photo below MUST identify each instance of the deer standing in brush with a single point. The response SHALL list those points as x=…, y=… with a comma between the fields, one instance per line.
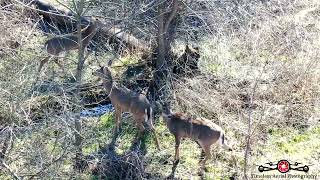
x=203, y=131
x=125, y=100
x=57, y=45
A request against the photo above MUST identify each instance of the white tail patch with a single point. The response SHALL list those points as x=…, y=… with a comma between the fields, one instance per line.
x=221, y=139
x=148, y=118
x=223, y=143
x=45, y=47
x=145, y=115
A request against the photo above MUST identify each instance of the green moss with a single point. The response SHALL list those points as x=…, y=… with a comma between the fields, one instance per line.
x=106, y=121
x=127, y=60
x=91, y=148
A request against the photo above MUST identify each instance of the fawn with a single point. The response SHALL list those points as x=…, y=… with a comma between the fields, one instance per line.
x=55, y=46
x=203, y=131
x=125, y=100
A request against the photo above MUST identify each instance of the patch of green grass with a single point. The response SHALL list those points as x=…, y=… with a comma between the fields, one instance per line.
x=91, y=148
x=127, y=60
x=159, y=163
x=294, y=145
x=127, y=134
x=4, y=176
x=106, y=121
x=101, y=134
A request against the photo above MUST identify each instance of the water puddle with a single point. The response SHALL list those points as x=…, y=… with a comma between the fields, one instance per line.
x=97, y=111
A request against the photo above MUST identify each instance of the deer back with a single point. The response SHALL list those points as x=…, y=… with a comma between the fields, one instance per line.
x=88, y=33
x=196, y=129
x=57, y=45
x=129, y=101
x=66, y=43
x=139, y=104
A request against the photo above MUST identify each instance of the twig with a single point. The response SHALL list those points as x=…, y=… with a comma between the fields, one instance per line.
x=246, y=155
x=46, y=166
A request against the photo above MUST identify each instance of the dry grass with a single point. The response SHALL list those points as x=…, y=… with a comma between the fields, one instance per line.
x=267, y=50
x=273, y=59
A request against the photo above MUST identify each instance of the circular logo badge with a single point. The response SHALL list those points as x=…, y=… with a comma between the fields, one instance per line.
x=283, y=166
x=260, y=168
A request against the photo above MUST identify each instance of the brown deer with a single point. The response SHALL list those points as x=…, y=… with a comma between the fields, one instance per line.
x=187, y=64
x=201, y=130
x=125, y=100
x=55, y=46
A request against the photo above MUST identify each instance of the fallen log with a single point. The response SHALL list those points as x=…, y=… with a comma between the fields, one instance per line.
x=122, y=42
x=57, y=20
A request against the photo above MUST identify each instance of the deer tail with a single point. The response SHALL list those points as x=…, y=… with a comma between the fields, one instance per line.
x=223, y=142
x=149, y=119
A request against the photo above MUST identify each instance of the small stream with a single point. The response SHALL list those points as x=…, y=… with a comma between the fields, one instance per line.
x=97, y=111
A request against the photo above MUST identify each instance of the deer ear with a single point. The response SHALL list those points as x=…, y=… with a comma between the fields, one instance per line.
x=188, y=49
x=99, y=64
x=106, y=70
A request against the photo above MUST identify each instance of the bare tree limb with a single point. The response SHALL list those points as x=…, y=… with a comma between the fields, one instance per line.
x=172, y=15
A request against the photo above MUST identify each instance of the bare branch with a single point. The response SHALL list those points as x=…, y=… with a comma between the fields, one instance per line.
x=172, y=15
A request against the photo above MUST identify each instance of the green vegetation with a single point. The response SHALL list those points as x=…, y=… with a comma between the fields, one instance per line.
x=258, y=60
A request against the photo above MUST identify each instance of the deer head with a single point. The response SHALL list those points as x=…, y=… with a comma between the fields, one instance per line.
x=103, y=73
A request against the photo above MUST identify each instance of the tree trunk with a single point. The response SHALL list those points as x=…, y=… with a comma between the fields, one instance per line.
x=163, y=61
x=77, y=120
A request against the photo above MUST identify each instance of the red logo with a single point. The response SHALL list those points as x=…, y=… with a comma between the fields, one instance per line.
x=283, y=166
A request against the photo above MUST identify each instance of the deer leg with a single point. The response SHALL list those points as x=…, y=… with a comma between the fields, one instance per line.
x=118, y=113
x=202, y=155
x=117, y=118
x=176, y=156
x=43, y=62
x=206, y=149
x=141, y=131
x=119, y=122
x=60, y=65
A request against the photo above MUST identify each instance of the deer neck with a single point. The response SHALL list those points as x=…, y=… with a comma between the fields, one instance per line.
x=89, y=32
x=166, y=118
x=107, y=84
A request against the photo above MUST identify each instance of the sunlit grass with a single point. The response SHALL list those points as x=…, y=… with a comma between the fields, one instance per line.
x=295, y=146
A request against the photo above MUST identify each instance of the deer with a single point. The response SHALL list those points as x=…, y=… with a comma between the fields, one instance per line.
x=200, y=130
x=57, y=45
x=187, y=63
x=125, y=100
